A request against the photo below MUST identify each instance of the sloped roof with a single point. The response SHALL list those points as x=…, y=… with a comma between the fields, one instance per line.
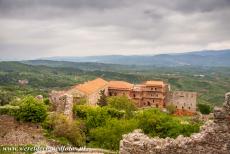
x=120, y=85
x=154, y=83
x=91, y=86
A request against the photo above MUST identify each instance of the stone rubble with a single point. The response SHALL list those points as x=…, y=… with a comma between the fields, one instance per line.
x=214, y=138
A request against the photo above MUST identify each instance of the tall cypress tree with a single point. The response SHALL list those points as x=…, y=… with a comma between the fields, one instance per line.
x=102, y=100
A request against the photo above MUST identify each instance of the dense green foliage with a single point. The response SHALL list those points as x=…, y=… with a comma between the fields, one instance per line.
x=156, y=123
x=96, y=116
x=122, y=103
x=32, y=110
x=109, y=135
x=5, y=98
x=60, y=126
x=104, y=126
x=204, y=108
x=9, y=110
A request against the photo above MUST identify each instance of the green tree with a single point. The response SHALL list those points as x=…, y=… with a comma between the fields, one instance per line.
x=60, y=126
x=32, y=110
x=171, y=108
x=122, y=103
x=204, y=108
x=102, y=100
x=156, y=123
x=5, y=98
x=109, y=135
x=46, y=101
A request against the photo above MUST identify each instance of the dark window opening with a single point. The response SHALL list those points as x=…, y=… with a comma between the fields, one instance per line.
x=149, y=104
x=110, y=94
x=157, y=105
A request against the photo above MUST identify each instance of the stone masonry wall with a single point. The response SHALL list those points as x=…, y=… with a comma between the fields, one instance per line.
x=214, y=138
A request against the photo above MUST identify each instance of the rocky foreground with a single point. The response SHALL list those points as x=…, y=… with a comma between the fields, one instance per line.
x=214, y=138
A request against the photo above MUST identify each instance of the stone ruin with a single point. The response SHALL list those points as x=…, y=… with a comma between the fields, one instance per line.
x=62, y=103
x=214, y=138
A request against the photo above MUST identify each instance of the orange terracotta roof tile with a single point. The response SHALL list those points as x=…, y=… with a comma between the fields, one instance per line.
x=120, y=85
x=91, y=86
x=154, y=83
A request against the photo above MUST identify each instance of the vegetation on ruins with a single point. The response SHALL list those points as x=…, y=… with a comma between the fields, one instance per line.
x=122, y=103
x=32, y=110
x=204, y=108
x=61, y=128
x=104, y=126
x=156, y=123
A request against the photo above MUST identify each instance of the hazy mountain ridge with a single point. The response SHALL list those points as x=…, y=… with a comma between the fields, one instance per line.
x=196, y=58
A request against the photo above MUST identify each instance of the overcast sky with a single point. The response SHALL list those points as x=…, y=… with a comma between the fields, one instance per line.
x=43, y=28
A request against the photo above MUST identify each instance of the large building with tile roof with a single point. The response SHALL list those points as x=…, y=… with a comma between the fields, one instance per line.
x=147, y=94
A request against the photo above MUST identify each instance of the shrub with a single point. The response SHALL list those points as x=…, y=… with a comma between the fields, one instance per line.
x=32, y=110
x=81, y=111
x=9, y=110
x=5, y=98
x=156, y=123
x=60, y=126
x=114, y=113
x=171, y=108
x=109, y=135
x=204, y=108
x=122, y=103
x=46, y=101
x=96, y=116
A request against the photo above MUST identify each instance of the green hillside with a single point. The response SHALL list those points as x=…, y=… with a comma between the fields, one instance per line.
x=43, y=76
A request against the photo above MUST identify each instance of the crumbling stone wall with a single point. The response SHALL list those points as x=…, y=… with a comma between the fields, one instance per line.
x=214, y=138
x=62, y=103
x=183, y=100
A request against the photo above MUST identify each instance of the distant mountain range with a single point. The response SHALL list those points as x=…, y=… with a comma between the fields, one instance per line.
x=213, y=58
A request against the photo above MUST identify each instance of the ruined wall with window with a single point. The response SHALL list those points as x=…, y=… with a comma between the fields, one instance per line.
x=183, y=100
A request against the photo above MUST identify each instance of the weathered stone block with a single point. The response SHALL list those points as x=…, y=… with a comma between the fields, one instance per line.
x=214, y=138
